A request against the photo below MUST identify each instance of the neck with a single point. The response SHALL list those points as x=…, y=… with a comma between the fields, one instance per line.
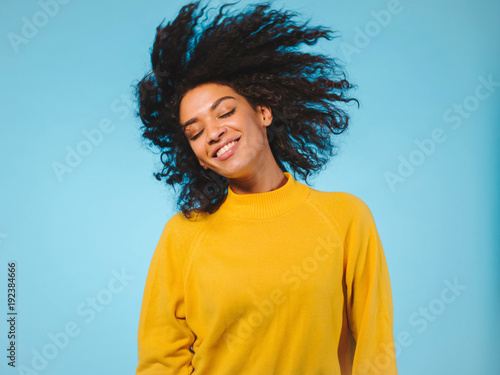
x=267, y=204
x=259, y=182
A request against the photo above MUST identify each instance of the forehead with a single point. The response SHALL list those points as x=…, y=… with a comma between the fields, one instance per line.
x=201, y=98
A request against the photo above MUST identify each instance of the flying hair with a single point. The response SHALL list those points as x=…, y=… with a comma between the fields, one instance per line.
x=257, y=52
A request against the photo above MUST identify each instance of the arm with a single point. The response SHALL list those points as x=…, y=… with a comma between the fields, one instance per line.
x=164, y=338
x=369, y=297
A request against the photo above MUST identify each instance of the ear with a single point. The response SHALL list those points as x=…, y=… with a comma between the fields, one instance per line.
x=265, y=114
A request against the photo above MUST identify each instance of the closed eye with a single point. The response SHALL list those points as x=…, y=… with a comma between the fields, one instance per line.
x=228, y=113
x=223, y=116
x=197, y=135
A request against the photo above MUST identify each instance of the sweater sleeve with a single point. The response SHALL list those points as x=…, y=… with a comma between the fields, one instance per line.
x=164, y=338
x=369, y=297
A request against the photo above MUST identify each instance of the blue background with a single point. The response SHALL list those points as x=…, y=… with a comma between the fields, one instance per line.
x=70, y=233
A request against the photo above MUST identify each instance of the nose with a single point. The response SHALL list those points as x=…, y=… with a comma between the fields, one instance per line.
x=214, y=132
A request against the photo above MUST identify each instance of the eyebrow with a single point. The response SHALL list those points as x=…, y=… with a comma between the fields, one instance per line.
x=212, y=107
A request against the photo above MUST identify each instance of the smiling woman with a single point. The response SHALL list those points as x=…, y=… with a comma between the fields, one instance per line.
x=257, y=273
x=303, y=91
x=229, y=137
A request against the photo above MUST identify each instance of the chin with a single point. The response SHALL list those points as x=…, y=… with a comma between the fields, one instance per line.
x=233, y=169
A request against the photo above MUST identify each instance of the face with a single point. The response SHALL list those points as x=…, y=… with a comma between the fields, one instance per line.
x=213, y=116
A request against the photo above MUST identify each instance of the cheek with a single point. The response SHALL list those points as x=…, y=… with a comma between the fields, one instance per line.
x=201, y=151
x=250, y=124
x=197, y=150
x=254, y=129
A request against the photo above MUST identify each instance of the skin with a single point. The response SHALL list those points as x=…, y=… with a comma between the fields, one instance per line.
x=213, y=118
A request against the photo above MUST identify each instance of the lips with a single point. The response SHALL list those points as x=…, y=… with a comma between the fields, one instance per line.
x=214, y=155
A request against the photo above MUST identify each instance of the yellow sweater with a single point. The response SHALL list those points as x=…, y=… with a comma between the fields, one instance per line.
x=288, y=282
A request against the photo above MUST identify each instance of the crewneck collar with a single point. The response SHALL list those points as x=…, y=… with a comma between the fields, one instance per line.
x=267, y=204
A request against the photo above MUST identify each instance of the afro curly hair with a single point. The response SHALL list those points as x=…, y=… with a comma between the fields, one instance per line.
x=256, y=53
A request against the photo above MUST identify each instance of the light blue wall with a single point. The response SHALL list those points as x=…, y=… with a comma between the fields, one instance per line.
x=70, y=236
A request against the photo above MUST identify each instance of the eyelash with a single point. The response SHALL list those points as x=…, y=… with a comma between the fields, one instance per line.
x=228, y=113
x=223, y=116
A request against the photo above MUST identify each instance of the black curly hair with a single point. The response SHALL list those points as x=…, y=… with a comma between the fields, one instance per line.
x=256, y=53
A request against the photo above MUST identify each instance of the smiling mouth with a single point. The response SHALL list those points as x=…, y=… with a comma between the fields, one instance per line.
x=224, y=149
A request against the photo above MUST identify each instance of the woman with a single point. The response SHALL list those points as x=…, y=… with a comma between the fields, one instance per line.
x=258, y=273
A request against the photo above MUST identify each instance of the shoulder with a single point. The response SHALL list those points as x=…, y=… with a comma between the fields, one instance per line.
x=181, y=231
x=341, y=205
x=177, y=238
x=347, y=212
x=178, y=223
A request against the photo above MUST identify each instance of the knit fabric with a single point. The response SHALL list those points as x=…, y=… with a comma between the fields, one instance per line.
x=292, y=281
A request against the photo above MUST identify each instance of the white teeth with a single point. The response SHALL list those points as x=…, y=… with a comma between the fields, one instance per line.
x=225, y=148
